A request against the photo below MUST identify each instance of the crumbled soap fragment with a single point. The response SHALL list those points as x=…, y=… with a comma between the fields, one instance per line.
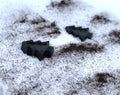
x=82, y=33
x=37, y=49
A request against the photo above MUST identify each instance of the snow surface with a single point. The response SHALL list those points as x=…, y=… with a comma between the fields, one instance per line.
x=111, y=6
x=24, y=75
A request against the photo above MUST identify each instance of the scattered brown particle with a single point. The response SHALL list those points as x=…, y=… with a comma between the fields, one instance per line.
x=100, y=19
x=82, y=48
x=102, y=77
x=62, y=3
x=115, y=36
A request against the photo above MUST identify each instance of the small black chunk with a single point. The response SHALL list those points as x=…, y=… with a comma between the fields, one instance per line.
x=102, y=77
x=37, y=49
x=82, y=33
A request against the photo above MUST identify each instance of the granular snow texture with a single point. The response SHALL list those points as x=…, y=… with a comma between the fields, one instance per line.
x=91, y=67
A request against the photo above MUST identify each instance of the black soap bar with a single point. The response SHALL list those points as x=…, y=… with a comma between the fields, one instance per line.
x=37, y=49
x=82, y=33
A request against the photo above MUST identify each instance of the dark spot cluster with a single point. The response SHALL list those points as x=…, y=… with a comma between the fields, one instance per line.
x=100, y=19
x=102, y=78
x=115, y=36
x=72, y=92
x=36, y=21
x=23, y=20
x=82, y=48
x=26, y=90
x=20, y=92
x=61, y=4
x=55, y=28
x=54, y=32
x=37, y=24
x=94, y=85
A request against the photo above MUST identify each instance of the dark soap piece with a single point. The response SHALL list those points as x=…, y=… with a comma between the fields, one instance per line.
x=82, y=33
x=37, y=49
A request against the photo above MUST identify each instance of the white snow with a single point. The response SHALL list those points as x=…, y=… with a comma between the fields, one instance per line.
x=59, y=74
x=111, y=6
x=3, y=88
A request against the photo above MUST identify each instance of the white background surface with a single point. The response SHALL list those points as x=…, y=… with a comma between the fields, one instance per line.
x=21, y=68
